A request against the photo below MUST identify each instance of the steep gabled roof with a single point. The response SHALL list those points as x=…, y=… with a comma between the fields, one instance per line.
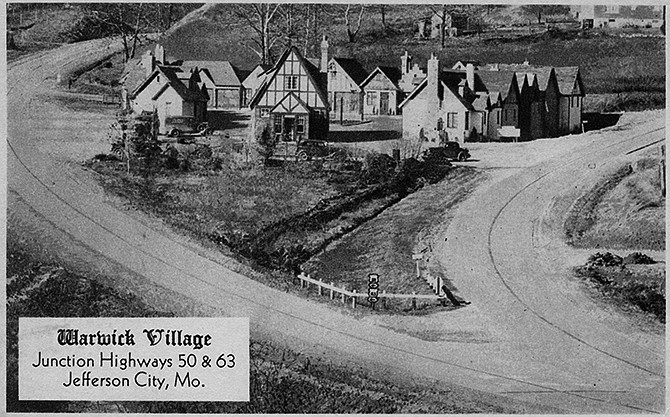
x=447, y=80
x=221, y=72
x=318, y=78
x=173, y=81
x=353, y=68
x=567, y=77
x=498, y=81
x=391, y=73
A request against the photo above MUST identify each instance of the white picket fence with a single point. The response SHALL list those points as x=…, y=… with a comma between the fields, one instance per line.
x=345, y=295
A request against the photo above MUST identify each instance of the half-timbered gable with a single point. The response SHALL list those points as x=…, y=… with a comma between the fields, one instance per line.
x=293, y=93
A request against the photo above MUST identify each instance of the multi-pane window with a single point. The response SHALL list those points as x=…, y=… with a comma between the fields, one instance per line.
x=277, y=123
x=440, y=124
x=452, y=120
x=291, y=82
x=371, y=98
x=300, y=124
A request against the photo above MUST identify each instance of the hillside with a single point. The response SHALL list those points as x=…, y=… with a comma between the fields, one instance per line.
x=609, y=63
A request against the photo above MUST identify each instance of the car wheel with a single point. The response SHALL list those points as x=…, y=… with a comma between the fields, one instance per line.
x=174, y=132
x=302, y=156
x=462, y=157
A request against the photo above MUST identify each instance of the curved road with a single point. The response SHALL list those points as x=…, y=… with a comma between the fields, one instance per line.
x=540, y=340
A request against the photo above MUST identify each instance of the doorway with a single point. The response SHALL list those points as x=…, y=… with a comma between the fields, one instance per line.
x=289, y=129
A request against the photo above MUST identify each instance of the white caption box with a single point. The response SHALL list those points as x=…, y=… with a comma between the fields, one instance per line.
x=134, y=359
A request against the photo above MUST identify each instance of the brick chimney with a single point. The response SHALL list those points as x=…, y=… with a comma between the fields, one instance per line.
x=406, y=60
x=324, y=54
x=470, y=75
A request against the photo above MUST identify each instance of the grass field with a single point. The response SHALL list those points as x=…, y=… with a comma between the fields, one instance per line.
x=278, y=217
x=385, y=244
x=281, y=380
x=625, y=211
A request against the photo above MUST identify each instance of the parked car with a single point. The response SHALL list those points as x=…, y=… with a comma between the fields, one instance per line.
x=308, y=149
x=178, y=125
x=450, y=150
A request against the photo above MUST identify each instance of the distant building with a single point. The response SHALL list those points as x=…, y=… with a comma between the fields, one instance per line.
x=619, y=16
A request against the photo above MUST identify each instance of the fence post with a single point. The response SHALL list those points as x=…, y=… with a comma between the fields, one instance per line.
x=353, y=300
x=414, y=300
x=438, y=279
x=344, y=288
x=320, y=288
x=331, y=290
x=384, y=299
x=307, y=282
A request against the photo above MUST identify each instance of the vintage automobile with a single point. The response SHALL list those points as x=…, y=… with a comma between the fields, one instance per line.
x=178, y=125
x=450, y=150
x=310, y=149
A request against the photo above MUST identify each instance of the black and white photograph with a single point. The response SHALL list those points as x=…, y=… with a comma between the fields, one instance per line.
x=335, y=208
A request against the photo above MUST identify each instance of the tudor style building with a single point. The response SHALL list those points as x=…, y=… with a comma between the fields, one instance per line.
x=292, y=102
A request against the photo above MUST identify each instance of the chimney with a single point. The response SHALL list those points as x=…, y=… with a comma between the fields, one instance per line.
x=160, y=54
x=406, y=63
x=148, y=63
x=470, y=75
x=433, y=80
x=324, y=54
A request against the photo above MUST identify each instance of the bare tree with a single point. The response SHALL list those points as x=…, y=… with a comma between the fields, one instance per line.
x=443, y=14
x=126, y=19
x=261, y=18
x=352, y=31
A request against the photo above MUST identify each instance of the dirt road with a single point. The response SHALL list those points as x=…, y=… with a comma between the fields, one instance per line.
x=538, y=339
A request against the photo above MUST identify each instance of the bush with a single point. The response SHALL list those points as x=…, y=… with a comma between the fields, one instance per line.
x=605, y=259
x=377, y=169
x=638, y=258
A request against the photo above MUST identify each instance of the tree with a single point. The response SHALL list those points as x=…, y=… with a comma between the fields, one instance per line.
x=352, y=31
x=444, y=16
x=541, y=10
x=261, y=18
x=266, y=145
x=125, y=19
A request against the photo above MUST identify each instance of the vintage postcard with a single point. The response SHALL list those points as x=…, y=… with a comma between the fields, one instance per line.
x=335, y=208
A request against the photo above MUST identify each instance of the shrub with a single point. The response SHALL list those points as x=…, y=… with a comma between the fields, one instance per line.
x=638, y=258
x=605, y=259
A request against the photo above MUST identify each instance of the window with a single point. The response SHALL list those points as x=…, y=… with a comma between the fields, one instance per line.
x=371, y=98
x=452, y=122
x=467, y=121
x=277, y=123
x=440, y=124
x=265, y=112
x=300, y=124
x=291, y=82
